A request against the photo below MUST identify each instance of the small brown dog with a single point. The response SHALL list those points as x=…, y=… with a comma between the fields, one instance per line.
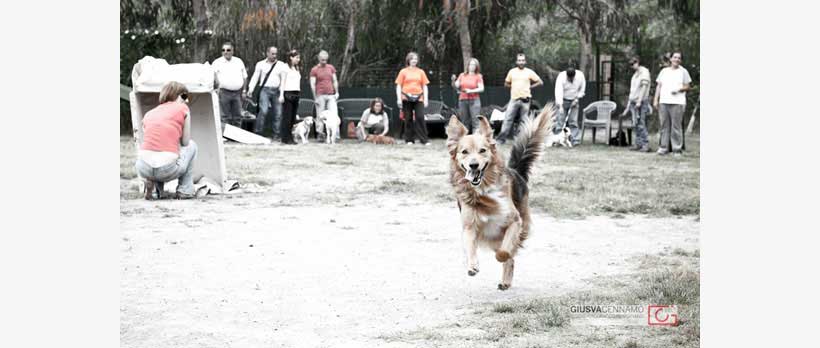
x=380, y=139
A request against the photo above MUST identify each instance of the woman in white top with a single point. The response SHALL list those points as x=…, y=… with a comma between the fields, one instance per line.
x=374, y=120
x=289, y=95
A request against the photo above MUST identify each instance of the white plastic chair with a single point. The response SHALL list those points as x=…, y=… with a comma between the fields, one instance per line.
x=604, y=110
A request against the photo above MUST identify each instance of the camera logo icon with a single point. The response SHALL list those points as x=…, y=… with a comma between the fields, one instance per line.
x=662, y=315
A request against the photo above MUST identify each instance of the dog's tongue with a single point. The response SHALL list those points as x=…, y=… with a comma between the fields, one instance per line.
x=471, y=175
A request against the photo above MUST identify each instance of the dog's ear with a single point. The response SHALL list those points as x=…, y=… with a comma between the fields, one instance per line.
x=485, y=130
x=455, y=130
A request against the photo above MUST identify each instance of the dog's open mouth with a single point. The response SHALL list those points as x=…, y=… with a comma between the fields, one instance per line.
x=474, y=176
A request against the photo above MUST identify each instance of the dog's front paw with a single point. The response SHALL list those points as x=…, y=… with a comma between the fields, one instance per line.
x=472, y=271
x=502, y=286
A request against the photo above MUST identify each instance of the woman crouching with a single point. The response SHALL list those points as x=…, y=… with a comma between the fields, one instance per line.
x=167, y=151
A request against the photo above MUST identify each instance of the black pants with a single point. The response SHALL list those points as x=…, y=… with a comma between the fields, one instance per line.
x=289, y=108
x=414, y=128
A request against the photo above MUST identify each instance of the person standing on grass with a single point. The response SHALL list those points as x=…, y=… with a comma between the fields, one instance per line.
x=411, y=97
x=670, y=100
x=167, y=151
x=470, y=83
x=374, y=120
x=521, y=80
x=638, y=103
x=569, y=89
x=229, y=77
x=269, y=106
x=289, y=96
x=325, y=87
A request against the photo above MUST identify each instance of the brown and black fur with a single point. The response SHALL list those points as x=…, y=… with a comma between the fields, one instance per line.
x=380, y=139
x=493, y=201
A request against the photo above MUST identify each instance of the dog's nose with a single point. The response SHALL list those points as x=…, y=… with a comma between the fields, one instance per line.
x=473, y=166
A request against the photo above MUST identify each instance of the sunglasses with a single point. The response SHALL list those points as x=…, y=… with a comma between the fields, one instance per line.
x=227, y=50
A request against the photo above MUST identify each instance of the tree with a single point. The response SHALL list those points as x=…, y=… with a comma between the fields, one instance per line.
x=354, y=9
x=592, y=17
x=201, y=39
x=462, y=17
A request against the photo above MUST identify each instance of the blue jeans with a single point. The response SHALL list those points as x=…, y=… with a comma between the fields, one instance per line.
x=515, y=110
x=469, y=109
x=572, y=122
x=639, y=122
x=269, y=109
x=182, y=169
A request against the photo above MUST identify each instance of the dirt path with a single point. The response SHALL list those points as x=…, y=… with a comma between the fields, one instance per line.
x=252, y=274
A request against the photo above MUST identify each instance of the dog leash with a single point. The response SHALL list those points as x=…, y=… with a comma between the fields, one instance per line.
x=566, y=119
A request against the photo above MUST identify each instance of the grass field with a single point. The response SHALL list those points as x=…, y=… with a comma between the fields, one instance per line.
x=567, y=183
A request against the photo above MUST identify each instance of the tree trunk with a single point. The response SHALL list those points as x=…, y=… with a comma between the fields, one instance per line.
x=587, y=62
x=462, y=15
x=201, y=40
x=347, y=58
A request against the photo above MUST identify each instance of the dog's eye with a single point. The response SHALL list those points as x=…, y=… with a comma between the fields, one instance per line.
x=482, y=151
x=464, y=152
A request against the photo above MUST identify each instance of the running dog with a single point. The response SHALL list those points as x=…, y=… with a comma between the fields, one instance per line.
x=491, y=196
x=302, y=129
x=380, y=139
x=332, y=121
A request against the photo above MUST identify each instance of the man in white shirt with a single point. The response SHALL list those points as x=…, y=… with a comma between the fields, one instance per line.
x=670, y=100
x=229, y=77
x=569, y=89
x=638, y=103
x=270, y=109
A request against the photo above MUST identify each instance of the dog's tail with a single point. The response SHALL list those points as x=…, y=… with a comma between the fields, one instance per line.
x=529, y=143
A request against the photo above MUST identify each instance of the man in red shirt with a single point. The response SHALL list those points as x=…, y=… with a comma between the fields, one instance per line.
x=325, y=87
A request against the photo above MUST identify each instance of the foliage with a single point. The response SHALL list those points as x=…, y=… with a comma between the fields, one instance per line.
x=384, y=32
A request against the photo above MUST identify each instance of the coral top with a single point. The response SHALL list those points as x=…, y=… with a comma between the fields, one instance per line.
x=162, y=127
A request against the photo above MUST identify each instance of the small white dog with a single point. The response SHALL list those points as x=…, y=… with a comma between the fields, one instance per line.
x=563, y=138
x=332, y=122
x=302, y=129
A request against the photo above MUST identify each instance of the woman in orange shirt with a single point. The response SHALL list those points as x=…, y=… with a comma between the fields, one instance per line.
x=411, y=97
x=470, y=83
x=167, y=151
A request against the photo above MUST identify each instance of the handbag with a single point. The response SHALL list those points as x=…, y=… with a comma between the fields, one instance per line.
x=253, y=104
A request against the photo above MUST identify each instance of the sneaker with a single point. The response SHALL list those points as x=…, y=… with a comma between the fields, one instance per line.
x=428, y=143
x=645, y=148
x=662, y=152
x=677, y=153
x=149, y=190
x=635, y=148
x=408, y=142
x=181, y=195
